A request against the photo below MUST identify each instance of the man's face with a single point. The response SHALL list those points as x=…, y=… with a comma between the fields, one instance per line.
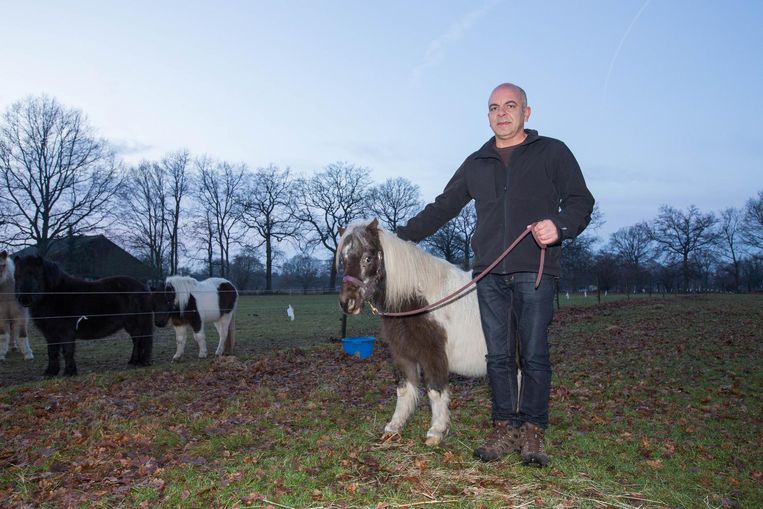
x=507, y=115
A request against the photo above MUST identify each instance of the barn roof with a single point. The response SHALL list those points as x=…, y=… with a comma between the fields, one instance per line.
x=93, y=257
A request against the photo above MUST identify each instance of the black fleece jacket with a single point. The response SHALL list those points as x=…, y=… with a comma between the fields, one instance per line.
x=543, y=181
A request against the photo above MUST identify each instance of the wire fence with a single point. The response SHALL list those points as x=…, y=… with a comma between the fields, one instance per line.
x=262, y=324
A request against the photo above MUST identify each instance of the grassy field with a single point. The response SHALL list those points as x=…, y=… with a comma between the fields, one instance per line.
x=261, y=323
x=656, y=403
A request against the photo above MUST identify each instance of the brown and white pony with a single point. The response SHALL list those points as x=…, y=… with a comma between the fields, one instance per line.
x=14, y=319
x=395, y=275
x=189, y=303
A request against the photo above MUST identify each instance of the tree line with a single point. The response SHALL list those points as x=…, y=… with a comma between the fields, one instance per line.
x=227, y=219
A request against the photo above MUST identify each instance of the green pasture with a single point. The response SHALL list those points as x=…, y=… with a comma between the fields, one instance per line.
x=655, y=404
x=261, y=323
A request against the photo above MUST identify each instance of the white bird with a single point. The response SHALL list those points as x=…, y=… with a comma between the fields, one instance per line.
x=290, y=312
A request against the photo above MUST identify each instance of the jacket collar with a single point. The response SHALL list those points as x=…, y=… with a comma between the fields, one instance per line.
x=488, y=149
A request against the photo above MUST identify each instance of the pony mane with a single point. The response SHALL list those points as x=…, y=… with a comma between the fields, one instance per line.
x=409, y=269
x=9, y=271
x=183, y=286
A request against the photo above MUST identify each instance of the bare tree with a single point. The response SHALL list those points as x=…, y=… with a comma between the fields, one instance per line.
x=606, y=267
x=597, y=220
x=578, y=254
x=303, y=270
x=730, y=232
x=203, y=228
x=246, y=269
x=446, y=242
x=143, y=216
x=58, y=176
x=394, y=201
x=704, y=260
x=578, y=261
x=178, y=185
x=682, y=234
x=219, y=193
x=329, y=200
x=633, y=245
x=752, y=226
x=465, y=223
x=267, y=208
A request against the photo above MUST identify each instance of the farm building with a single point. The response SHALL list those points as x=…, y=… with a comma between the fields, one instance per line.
x=93, y=257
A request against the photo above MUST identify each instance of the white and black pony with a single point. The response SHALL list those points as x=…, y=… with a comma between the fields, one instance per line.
x=65, y=308
x=395, y=276
x=189, y=303
x=14, y=319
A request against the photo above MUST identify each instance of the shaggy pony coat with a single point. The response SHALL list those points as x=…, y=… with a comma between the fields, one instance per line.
x=14, y=319
x=395, y=275
x=65, y=308
x=189, y=304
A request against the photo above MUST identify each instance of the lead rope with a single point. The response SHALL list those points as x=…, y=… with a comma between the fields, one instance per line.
x=474, y=281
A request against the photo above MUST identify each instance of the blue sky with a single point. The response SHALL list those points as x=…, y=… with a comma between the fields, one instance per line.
x=659, y=100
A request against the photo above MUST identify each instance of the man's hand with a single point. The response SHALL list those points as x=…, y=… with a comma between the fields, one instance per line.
x=545, y=232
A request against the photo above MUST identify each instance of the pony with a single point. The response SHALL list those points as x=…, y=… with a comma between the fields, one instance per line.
x=14, y=319
x=189, y=303
x=66, y=308
x=395, y=276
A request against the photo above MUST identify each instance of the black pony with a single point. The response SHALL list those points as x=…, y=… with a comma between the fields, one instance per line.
x=65, y=308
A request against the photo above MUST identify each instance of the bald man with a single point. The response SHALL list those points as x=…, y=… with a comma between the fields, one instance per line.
x=516, y=179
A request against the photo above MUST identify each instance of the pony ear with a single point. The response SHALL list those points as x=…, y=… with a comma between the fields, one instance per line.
x=3, y=254
x=342, y=229
x=373, y=225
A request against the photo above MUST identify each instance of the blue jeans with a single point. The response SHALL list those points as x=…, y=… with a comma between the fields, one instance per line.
x=512, y=309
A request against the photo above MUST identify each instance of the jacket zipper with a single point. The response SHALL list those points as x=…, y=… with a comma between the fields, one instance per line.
x=507, y=174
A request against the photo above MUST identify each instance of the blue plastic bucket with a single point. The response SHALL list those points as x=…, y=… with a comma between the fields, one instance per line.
x=361, y=347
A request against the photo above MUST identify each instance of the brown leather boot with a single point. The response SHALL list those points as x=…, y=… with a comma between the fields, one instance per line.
x=533, y=445
x=502, y=440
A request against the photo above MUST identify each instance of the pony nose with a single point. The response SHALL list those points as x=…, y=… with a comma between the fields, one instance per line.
x=348, y=300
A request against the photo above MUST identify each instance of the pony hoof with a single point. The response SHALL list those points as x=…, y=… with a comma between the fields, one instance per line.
x=27, y=358
x=175, y=359
x=433, y=441
x=390, y=437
